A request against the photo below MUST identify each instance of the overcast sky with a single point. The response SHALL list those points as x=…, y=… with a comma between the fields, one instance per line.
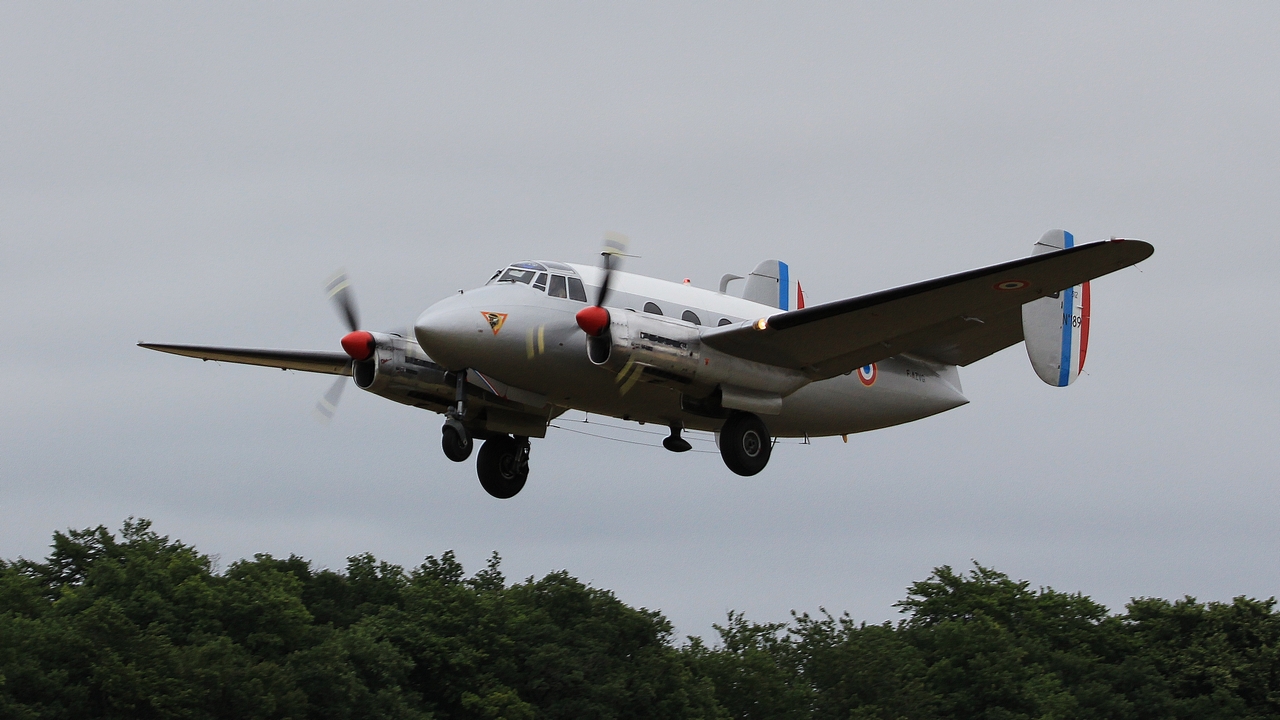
x=195, y=172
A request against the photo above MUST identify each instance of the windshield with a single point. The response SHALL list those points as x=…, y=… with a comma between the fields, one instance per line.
x=518, y=275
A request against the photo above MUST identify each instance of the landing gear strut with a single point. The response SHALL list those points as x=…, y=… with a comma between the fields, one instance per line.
x=503, y=465
x=745, y=444
x=455, y=440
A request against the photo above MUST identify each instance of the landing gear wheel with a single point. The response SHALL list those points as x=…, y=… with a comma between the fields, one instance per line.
x=503, y=465
x=456, y=443
x=745, y=444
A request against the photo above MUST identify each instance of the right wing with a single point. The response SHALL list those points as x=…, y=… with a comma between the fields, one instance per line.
x=956, y=319
x=307, y=361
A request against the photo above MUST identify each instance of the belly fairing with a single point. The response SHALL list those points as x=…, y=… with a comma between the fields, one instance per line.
x=890, y=392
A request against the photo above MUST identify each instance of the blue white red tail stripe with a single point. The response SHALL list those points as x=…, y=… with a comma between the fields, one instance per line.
x=784, y=287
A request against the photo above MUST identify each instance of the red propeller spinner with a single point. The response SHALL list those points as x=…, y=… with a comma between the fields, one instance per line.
x=359, y=344
x=593, y=320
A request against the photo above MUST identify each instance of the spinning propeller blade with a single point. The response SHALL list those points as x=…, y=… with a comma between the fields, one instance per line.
x=327, y=406
x=339, y=289
x=615, y=246
x=357, y=343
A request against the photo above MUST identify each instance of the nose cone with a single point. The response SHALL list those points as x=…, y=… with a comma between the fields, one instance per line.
x=450, y=332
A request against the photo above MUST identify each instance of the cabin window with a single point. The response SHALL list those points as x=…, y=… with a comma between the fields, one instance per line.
x=557, y=288
x=690, y=317
x=541, y=282
x=576, y=291
x=517, y=275
x=724, y=321
x=652, y=308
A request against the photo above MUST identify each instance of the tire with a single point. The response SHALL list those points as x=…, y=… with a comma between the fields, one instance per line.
x=502, y=466
x=745, y=444
x=456, y=445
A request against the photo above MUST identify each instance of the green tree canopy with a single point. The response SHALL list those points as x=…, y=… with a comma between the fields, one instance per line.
x=139, y=626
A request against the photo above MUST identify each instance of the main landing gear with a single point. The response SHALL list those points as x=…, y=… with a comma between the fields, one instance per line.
x=503, y=465
x=745, y=444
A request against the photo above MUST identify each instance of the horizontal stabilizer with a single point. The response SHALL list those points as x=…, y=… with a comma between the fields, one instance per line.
x=329, y=363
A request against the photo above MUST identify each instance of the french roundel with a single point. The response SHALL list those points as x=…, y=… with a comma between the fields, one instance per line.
x=867, y=374
x=1012, y=284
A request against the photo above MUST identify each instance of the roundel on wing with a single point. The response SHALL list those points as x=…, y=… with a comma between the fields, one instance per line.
x=867, y=374
x=1012, y=285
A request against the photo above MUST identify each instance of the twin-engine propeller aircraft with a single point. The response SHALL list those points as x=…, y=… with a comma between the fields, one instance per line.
x=503, y=360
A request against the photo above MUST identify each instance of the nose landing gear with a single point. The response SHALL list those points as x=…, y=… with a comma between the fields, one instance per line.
x=503, y=465
x=745, y=444
x=456, y=441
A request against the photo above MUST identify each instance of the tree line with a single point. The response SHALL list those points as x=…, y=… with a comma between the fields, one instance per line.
x=140, y=626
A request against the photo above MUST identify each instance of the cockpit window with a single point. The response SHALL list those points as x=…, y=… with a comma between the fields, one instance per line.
x=558, y=288
x=494, y=279
x=541, y=282
x=576, y=291
x=517, y=275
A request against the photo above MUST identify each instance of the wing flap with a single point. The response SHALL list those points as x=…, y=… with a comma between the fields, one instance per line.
x=956, y=319
x=304, y=360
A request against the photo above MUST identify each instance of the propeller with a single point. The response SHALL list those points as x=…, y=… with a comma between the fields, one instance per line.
x=594, y=320
x=357, y=343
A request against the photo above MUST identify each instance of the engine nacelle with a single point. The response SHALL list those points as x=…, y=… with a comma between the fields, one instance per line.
x=400, y=371
x=659, y=350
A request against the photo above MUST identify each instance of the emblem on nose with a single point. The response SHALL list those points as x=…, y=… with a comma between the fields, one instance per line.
x=494, y=319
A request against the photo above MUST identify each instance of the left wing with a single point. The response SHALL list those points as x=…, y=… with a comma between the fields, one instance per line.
x=307, y=361
x=957, y=319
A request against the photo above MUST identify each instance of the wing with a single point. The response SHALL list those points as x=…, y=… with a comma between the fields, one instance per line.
x=316, y=362
x=957, y=319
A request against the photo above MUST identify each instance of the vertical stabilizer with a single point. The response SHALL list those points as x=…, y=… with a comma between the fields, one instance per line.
x=1056, y=328
x=771, y=284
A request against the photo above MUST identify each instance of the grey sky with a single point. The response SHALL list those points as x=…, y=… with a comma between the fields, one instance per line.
x=194, y=172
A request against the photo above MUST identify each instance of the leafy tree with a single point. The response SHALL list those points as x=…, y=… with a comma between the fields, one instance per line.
x=141, y=626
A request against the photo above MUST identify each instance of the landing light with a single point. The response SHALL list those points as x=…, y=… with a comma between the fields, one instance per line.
x=762, y=323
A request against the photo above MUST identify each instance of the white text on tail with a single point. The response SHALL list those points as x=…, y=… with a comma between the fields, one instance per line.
x=1056, y=328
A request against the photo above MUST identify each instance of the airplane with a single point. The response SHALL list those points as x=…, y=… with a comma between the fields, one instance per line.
x=502, y=361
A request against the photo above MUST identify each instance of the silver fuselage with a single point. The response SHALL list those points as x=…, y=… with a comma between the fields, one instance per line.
x=522, y=338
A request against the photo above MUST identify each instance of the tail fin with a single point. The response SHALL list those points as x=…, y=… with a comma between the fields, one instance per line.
x=770, y=284
x=1056, y=328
